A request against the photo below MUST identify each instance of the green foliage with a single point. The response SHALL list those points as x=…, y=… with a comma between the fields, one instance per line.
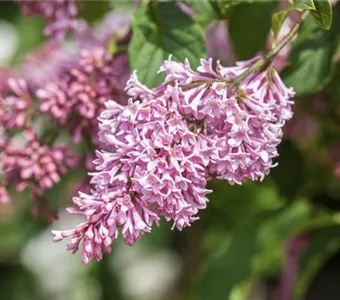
x=30, y=36
x=230, y=203
x=204, y=10
x=161, y=29
x=248, y=38
x=321, y=11
x=279, y=17
x=312, y=57
x=255, y=247
x=207, y=10
x=234, y=264
x=322, y=14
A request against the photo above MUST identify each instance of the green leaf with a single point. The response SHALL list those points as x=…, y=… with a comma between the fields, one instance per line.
x=287, y=223
x=224, y=7
x=304, y=4
x=249, y=25
x=30, y=36
x=274, y=233
x=233, y=266
x=204, y=11
x=323, y=14
x=279, y=17
x=311, y=62
x=277, y=22
x=161, y=29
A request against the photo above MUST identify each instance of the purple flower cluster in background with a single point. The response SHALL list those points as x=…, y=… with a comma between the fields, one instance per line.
x=58, y=91
x=79, y=93
x=14, y=107
x=161, y=149
x=34, y=163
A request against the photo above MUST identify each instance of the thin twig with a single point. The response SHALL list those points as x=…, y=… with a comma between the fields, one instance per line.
x=266, y=60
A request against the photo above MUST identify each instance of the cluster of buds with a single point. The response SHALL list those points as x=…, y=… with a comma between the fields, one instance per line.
x=161, y=149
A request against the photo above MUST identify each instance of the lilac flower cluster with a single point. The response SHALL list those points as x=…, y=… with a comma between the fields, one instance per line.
x=34, y=163
x=27, y=163
x=77, y=96
x=242, y=126
x=162, y=148
x=57, y=91
x=60, y=15
x=42, y=64
x=14, y=107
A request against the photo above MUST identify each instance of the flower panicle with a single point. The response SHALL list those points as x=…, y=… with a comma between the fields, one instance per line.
x=159, y=151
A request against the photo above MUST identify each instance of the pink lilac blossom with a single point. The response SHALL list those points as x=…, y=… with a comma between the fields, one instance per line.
x=42, y=64
x=161, y=149
x=5, y=74
x=40, y=166
x=242, y=126
x=219, y=45
x=60, y=15
x=153, y=169
x=78, y=95
x=115, y=23
x=15, y=105
x=115, y=27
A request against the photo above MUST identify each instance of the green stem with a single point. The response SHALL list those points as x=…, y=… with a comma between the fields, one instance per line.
x=260, y=64
x=267, y=59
